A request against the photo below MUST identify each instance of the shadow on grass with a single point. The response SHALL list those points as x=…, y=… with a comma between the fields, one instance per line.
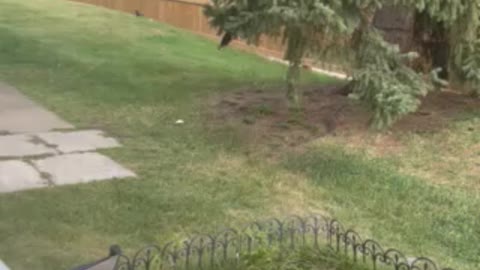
x=395, y=209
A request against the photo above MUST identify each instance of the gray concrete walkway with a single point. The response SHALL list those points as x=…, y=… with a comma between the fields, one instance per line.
x=34, y=154
x=19, y=114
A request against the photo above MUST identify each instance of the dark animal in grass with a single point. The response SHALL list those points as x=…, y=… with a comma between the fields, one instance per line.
x=138, y=13
x=115, y=250
x=345, y=90
x=227, y=38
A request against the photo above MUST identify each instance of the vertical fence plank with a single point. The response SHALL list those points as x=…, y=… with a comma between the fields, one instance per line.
x=149, y=8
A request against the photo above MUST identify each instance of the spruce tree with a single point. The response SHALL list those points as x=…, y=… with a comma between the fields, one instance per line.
x=382, y=77
x=304, y=26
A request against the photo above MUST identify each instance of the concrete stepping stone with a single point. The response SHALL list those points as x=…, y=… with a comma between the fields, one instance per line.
x=17, y=175
x=81, y=168
x=21, y=146
x=78, y=141
x=60, y=162
x=3, y=266
x=19, y=114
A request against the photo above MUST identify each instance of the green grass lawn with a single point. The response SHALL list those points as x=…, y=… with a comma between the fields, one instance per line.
x=134, y=78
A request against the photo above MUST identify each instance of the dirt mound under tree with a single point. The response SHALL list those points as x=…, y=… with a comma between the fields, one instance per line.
x=263, y=116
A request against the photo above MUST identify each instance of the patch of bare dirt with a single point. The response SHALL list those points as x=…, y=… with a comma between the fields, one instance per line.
x=437, y=111
x=264, y=117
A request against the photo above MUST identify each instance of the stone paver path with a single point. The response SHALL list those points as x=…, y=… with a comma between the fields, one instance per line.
x=68, y=142
x=80, y=168
x=19, y=114
x=33, y=155
x=17, y=175
x=22, y=145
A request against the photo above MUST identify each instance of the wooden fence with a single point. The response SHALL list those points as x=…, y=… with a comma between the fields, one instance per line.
x=188, y=14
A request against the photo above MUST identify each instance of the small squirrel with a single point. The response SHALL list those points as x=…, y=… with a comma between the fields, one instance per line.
x=138, y=13
x=115, y=250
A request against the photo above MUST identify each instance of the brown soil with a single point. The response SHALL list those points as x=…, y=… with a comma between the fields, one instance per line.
x=263, y=115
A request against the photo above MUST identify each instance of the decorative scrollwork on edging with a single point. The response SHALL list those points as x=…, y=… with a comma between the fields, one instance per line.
x=225, y=248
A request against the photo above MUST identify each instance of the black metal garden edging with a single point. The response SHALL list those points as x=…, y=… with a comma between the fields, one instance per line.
x=219, y=250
